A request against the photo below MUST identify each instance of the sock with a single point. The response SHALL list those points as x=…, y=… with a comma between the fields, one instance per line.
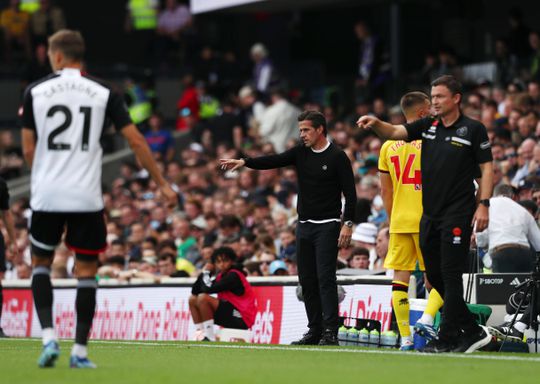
x=434, y=303
x=400, y=303
x=199, y=326
x=79, y=351
x=520, y=326
x=208, y=326
x=43, y=295
x=85, y=305
x=404, y=339
x=48, y=335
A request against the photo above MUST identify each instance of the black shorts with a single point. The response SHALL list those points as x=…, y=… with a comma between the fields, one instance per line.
x=2, y=254
x=86, y=233
x=228, y=316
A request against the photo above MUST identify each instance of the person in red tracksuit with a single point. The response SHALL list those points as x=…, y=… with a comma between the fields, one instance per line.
x=235, y=306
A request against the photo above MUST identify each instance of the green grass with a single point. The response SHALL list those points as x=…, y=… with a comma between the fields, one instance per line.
x=170, y=362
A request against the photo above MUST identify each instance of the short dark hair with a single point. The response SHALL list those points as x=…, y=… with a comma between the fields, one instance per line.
x=225, y=252
x=69, y=42
x=360, y=251
x=168, y=256
x=449, y=82
x=412, y=99
x=317, y=119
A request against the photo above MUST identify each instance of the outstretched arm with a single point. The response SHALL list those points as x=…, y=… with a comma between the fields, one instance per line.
x=383, y=129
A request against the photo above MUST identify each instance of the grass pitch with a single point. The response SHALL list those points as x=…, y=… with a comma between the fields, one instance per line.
x=181, y=362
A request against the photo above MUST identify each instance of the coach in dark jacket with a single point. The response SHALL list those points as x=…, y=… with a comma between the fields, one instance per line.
x=324, y=173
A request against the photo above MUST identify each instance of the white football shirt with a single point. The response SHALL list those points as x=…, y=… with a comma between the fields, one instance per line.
x=69, y=112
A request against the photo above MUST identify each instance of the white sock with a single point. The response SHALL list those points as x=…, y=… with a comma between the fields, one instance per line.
x=209, y=329
x=426, y=319
x=404, y=339
x=48, y=335
x=79, y=350
x=199, y=326
x=520, y=326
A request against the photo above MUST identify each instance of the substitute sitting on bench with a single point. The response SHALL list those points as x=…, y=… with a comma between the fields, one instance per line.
x=235, y=306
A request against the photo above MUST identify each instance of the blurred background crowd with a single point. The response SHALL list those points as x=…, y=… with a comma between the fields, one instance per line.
x=232, y=103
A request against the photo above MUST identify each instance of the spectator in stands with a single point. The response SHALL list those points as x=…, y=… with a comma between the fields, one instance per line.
x=248, y=246
x=359, y=258
x=225, y=128
x=511, y=229
x=235, y=306
x=381, y=247
x=15, y=26
x=173, y=20
x=186, y=244
x=263, y=72
x=140, y=24
x=525, y=155
x=534, y=41
x=251, y=109
x=278, y=268
x=370, y=73
x=47, y=20
x=364, y=236
x=188, y=105
x=159, y=140
x=167, y=266
x=265, y=258
x=279, y=121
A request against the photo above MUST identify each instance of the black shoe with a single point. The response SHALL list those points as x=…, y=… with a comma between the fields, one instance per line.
x=2, y=334
x=310, y=338
x=439, y=345
x=329, y=337
x=504, y=332
x=468, y=343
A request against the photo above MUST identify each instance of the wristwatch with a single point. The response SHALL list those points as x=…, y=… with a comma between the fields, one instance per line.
x=485, y=202
x=348, y=223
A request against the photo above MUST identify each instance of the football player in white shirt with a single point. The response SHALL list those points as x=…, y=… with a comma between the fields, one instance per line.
x=63, y=116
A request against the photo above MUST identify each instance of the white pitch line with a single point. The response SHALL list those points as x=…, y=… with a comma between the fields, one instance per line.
x=314, y=349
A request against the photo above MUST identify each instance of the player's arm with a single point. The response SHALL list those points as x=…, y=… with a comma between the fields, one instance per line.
x=387, y=192
x=28, y=145
x=383, y=129
x=481, y=216
x=138, y=144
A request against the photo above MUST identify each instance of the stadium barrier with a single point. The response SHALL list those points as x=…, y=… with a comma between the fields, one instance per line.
x=141, y=310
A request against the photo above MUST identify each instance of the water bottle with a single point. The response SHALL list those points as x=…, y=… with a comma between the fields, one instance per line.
x=363, y=338
x=374, y=338
x=389, y=339
x=342, y=335
x=352, y=337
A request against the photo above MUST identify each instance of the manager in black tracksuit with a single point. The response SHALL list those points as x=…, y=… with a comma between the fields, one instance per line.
x=324, y=173
x=454, y=147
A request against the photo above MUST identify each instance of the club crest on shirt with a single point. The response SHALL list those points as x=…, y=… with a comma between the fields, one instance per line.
x=462, y=131
x=325, y=167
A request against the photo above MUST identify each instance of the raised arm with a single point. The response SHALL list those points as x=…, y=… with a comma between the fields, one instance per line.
x=383, y=129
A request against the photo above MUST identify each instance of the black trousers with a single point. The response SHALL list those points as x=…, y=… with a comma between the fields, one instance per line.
x=445, y=247
x=513, y=260
x=317, y=251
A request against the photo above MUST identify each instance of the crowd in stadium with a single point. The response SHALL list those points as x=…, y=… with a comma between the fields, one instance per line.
x=253, y=212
